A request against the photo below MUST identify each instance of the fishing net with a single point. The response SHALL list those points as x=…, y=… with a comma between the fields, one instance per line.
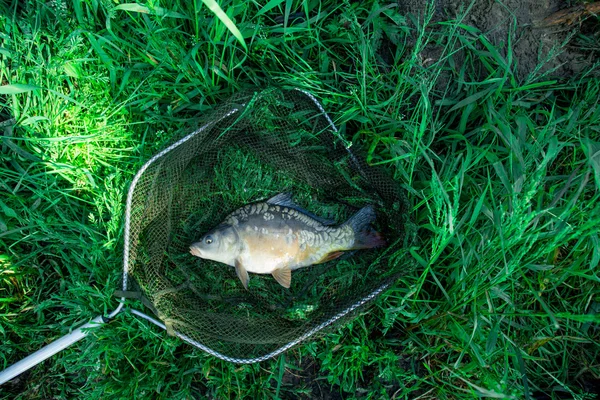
x=256, y=145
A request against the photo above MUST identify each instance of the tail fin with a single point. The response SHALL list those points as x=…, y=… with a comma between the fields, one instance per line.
x=364, y=235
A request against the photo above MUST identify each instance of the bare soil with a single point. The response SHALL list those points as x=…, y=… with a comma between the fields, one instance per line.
x=537, y=27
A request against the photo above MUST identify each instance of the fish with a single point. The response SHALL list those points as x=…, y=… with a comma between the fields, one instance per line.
x=278, y=236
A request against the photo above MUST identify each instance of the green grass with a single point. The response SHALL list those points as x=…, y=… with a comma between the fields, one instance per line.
x=502, y=171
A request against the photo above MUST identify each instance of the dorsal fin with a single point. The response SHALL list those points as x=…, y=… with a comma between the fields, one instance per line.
x=285, y=200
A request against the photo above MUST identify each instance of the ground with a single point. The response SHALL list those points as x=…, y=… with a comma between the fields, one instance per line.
x=485, y=115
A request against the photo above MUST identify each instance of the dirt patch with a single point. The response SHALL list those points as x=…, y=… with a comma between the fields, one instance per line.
x=534, y=40
x=309, y=377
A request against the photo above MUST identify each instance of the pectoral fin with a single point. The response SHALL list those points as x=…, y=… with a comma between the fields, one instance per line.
x=242, y=273
x=283, y=276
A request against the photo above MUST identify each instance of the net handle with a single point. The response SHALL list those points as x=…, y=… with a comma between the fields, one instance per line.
x=49, y=350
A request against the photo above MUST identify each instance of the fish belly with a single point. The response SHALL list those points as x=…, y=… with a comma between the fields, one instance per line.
x=263, y=253
x=274, y=243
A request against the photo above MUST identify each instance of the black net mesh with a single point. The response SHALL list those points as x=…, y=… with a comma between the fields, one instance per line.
x=255, y=146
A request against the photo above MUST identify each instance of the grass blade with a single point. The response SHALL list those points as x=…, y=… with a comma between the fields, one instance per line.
x=161, y=12
x=269, y=6
x=219, y=13
x=17, y=88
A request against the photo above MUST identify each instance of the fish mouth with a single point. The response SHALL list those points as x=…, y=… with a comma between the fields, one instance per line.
x=195, y=251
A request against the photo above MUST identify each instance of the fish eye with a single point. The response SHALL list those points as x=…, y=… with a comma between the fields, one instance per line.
x=208, y=240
